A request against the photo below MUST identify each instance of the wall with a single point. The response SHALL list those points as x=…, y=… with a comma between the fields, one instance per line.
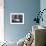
x=29, y=8
x=1, y=21
x=43, y=6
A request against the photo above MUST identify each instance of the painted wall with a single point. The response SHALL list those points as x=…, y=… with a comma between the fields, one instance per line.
x=1, y=21
x=29, y=8
x=43, y=6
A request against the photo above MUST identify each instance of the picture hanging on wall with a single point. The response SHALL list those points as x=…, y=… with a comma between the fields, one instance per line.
x=16, y=18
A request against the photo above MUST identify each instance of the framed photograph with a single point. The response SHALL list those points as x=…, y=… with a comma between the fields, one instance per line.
x=16, y=18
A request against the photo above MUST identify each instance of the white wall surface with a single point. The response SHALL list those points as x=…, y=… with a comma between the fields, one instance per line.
x=1, y=21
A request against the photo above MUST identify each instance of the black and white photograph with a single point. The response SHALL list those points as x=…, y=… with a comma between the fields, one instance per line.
x=17, y=18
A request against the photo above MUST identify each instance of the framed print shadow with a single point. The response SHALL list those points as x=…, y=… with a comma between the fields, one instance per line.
x=16, y=18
